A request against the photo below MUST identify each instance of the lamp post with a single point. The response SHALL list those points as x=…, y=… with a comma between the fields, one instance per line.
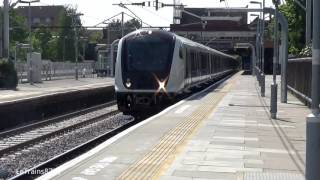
x=313, y=120
x=261, y=47
x=74, y=18
x=257, y=44
x=30, y=40
x=6, y=28
x=308, y=21
x=274, y=85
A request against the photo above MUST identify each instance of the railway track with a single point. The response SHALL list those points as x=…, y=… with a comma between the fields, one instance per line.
x=66, y=155
x=22, y=137
x=26, y=147
x=70, y=154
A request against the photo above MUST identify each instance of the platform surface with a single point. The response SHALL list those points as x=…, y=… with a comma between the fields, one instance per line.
x=27, y=91
x=225, y=133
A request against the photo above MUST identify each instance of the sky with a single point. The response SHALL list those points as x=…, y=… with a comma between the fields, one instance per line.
x=95, y=11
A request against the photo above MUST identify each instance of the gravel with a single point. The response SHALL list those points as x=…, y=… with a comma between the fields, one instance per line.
x=54, y=126
x=13, y=164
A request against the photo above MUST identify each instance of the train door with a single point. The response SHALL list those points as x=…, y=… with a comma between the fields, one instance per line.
x=193, y=67
x=198, y=64
x=215, y=64
x=210, y=62
x=187, y=67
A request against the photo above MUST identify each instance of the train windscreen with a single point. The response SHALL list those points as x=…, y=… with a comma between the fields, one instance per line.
x=148, y=52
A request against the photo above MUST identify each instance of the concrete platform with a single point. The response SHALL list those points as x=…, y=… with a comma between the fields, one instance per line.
x=27, y=91
x=31, y=103
x=225, y=133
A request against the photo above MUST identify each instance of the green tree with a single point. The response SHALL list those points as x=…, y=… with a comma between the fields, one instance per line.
x=115, y=28
x=18, y=28
x=44, y=43
x=94, y=36
x=296, y=21
x=18, y=32
x=65, y=43
x=132, y=25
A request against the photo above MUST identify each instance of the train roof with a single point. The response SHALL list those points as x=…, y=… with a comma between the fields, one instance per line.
x=195, y=44
x=183, y=40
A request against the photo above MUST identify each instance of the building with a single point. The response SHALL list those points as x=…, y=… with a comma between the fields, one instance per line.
x=222, y=30
x=214, y=27
x=42, y=15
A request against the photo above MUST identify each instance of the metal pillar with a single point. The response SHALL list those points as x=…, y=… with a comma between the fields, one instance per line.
x=274, y=86
x=1, y=30
x=258, y=44
x=122, y=24
x=253, y=56
x=313, y=120
x=315, y=94
x=257, y=59
x=76, y=50
x=74, y=18
x=308, y=21
x=30, y=43
x=263, y=89
x=284, y=59
x=6, y=29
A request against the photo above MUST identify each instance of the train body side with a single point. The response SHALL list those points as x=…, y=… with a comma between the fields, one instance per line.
x=148, y=76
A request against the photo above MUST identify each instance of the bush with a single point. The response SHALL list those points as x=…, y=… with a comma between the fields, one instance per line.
x=306, y=52
x=8, y=75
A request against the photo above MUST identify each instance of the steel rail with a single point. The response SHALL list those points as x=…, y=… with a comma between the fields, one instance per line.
x=72, y=153
x=53, y=120
x=54, y=132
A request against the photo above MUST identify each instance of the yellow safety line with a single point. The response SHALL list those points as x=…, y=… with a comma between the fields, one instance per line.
x=150, y=166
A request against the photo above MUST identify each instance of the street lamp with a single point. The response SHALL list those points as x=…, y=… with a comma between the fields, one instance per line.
x=313, y=120
x=274, y=85
x=73, y=18
x=29, y=20
x=261, y=42
x=257, y=40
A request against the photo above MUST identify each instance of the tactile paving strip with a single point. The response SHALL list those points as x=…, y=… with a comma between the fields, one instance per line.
x=272, y=176
x=150, y=165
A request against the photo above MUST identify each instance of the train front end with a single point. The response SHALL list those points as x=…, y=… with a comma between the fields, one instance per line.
x=143, y=70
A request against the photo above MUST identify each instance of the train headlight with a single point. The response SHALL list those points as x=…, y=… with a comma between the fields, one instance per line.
x=162, y=85
x=128, y=83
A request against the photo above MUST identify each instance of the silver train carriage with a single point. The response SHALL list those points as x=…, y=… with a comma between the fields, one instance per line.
x=154, y=66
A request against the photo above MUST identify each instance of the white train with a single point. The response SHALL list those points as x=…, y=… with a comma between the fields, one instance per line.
x=154, y=66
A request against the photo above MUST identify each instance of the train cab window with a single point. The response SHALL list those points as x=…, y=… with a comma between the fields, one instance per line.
x=148, y=53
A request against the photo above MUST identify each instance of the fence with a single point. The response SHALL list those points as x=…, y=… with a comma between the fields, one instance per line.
x=56, y=70
x=299, y=78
